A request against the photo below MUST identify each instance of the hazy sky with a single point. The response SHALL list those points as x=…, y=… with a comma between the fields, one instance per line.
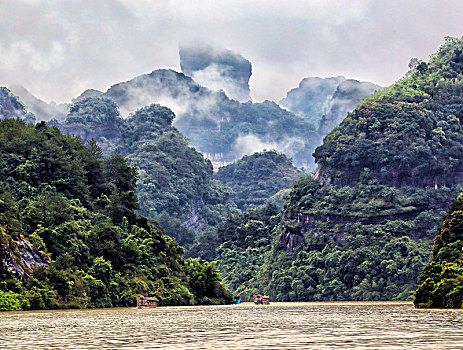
x=57, y=49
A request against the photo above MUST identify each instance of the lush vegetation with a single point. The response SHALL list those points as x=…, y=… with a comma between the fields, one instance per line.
x=363, y=228
x=79, y=208
x=239, y=244
x=408, y=134
x=175, y=184
x=256, y=178
x=366, y=242
x=441, y=281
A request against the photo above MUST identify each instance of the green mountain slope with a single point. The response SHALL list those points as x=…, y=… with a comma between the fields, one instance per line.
x=408, y=134
x=256, y=178
x=363, y=228
x=175, y=183
x=441, y=281
x=69, y=233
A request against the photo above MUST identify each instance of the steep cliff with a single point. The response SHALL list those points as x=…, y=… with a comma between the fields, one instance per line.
x=363, y=227
x=20, y=258
x=325, y=102
x=12, y=107
x=217, y=69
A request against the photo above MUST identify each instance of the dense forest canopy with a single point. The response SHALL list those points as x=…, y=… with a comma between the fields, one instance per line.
x=175, y=184
x=408, y=134
x=362, y=229
x=256, y=178
x=74, y=211
x=441, y=281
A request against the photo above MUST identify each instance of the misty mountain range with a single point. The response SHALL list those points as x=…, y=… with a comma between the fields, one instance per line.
x=220, y=127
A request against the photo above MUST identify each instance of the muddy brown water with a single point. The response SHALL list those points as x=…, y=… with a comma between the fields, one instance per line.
x=337, y=325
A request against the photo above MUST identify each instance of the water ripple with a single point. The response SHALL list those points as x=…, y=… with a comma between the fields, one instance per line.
x=246, y=326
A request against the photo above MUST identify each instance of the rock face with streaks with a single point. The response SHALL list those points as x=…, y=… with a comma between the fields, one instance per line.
x=21, y=257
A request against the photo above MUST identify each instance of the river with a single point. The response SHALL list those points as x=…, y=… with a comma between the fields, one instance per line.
x=343, y=325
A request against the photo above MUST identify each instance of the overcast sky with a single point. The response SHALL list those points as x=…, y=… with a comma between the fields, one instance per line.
x=57, y=49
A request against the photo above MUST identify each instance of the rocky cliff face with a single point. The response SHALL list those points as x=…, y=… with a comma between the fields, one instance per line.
x=21, y=257
x=315, y=224
x=396, y=178
x=11, y=107
x=325, y=102
x=218, y=69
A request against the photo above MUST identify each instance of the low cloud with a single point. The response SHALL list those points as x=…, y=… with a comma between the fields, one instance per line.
x=250, y=143
x=215, y=78
x=57, y=49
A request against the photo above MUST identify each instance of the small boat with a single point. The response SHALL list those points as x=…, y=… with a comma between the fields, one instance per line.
x=261, y=299
x=146, y=302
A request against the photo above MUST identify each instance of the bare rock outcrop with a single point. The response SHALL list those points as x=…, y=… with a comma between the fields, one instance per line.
x=21, y=257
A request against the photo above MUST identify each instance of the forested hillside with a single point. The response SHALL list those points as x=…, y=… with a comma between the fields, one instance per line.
x=70, y=236
x=441, y=281
x=363, y=228
x=256, y=178
x=408, y=134
x=175, y=183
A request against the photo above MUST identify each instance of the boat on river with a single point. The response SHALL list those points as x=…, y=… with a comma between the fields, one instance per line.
x=146, y=302
x=261, y=299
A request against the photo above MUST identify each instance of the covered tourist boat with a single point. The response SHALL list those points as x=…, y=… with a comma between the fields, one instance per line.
x=146, y=302
x=261, y=299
